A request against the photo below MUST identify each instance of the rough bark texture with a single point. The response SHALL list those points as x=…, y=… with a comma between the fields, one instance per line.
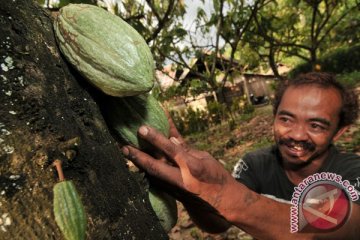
x=48, y=112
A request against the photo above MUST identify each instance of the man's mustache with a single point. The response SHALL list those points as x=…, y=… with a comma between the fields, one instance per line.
x=306, y=145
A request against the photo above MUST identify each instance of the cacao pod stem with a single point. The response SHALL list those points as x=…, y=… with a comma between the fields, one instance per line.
x=57, y=165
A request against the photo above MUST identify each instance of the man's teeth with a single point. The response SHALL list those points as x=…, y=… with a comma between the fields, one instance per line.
x=297, y=147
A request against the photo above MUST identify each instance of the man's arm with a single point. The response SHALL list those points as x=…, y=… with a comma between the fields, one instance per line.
x=203, y=176
x=208, y=220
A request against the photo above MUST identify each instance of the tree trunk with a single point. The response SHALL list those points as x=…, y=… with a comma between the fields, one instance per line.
x=272, y=61
x=48, y=112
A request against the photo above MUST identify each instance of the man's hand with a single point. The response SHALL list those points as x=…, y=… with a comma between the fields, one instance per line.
x=194, y=171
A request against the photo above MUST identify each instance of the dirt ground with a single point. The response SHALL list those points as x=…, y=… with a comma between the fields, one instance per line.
x=186, y=229
x=228, y=146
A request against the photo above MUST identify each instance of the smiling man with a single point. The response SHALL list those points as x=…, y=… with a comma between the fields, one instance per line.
x=311, y=112
x=307, y=121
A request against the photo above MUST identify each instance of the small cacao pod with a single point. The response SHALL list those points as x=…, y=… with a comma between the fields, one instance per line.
x=69, y=212
x=165, y=208
x=106, y=50
x=125, y=115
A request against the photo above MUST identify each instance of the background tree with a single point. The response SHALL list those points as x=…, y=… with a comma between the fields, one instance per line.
x=214, y=42
x=303, y=29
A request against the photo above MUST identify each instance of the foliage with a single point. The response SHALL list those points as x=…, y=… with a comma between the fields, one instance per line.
x=178, y=121
x=304, y=29
x=350, y=79
x=338, y=61
x=342, y=60
x=248, y=108
x=196, y=120
x=216, y=111
x=240, y=105
x=190, y=121
x=168, y=94
x=237, y=103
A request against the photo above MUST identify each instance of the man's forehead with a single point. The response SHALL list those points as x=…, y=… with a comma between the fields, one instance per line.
x=311, y=97
x=311, y=90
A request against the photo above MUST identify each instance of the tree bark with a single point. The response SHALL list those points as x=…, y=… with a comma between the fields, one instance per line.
x=48, y=112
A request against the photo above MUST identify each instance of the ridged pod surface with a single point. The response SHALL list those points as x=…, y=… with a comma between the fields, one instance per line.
x=165, y=208
x=125, y=115
x=69, y=212
x=106, y=50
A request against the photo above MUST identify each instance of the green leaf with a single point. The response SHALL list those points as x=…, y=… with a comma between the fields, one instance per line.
x=180, y=32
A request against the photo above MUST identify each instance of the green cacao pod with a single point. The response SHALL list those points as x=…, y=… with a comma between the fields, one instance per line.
x=165, y=208
x=106, y=50
x=125, y=115
x=69, y=212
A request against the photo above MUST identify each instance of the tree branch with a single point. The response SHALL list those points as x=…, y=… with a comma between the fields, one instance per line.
x=161, y=21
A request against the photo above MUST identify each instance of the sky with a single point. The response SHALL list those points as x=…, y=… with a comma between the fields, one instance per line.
x=192, y=7
x=191, y=10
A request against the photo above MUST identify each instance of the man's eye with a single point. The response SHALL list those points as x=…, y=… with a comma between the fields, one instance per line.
x=284, y=119
x=318, y=127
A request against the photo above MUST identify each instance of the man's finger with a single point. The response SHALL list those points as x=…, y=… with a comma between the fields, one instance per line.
x=174, y=151
x=178, y=142
x=173, y=130
x=154, y=167
x=159, y=141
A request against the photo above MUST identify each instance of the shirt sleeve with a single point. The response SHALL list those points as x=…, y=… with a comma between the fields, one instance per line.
x=244, y=172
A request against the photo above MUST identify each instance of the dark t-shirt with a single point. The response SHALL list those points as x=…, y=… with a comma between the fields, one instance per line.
x=261, y=171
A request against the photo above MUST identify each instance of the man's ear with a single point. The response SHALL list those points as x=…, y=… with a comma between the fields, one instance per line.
x=339, y=133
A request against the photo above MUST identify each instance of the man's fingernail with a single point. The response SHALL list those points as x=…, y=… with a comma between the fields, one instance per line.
x=125, y=151
x=174, y=141
x=143, y=130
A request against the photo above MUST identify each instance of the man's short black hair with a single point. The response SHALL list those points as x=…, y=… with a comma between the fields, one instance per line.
x=349, y=109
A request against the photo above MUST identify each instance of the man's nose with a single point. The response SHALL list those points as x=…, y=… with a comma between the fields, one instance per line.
x=298, y=133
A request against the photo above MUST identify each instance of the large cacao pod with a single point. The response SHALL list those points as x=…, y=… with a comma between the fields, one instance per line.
x=125, y=115
x=69, y=212
x=106, y=50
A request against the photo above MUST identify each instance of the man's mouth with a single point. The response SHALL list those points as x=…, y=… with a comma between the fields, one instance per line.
x=295, y=148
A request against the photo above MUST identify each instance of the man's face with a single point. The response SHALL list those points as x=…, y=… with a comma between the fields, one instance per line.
x=306, y=123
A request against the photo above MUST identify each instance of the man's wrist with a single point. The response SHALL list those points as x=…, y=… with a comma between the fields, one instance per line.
x=235, y=202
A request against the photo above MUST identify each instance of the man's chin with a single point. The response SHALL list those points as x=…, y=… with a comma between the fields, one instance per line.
x=296, y=160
